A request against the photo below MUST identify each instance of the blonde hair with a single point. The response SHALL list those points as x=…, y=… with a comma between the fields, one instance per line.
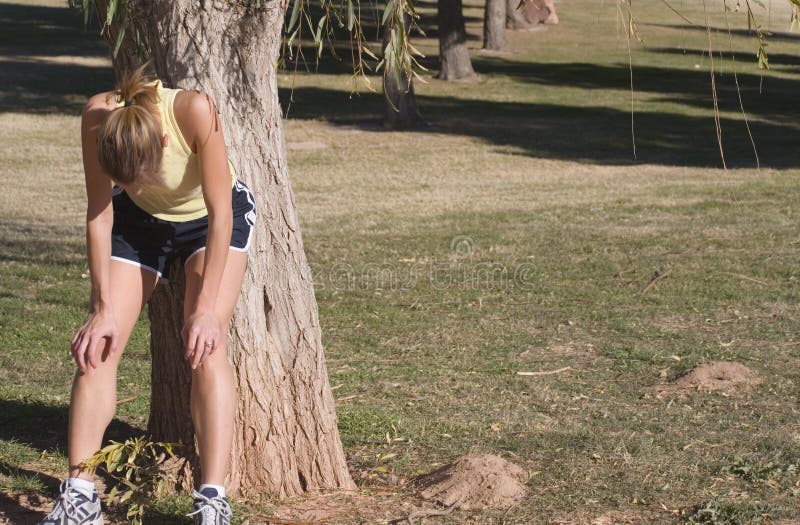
x=129, y=140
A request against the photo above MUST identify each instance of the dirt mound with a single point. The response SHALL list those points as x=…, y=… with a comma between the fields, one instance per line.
x=482, y=481
x=727, y=376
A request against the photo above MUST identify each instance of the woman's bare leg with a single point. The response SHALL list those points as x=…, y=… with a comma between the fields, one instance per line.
x=213, y=389
x=94, y=392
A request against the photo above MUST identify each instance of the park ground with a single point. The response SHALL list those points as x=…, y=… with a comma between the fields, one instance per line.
x=514, y=233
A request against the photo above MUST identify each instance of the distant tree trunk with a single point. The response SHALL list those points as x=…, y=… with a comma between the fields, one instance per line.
x=453, y=52
x=286, y=439
x=400, y=103
x=494, y=25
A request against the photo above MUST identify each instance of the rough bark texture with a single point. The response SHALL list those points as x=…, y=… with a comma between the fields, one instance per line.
x=494, y=25
x=453, y=52
x=286, y=439
x=400, y=103
x=530, y=13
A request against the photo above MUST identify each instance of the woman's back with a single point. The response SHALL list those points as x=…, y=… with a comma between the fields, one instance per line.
x=180, y=198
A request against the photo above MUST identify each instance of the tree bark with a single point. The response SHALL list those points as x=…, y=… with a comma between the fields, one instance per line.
x=400, y=104
x=286, y=439
x=453, y=52
x=494, y=25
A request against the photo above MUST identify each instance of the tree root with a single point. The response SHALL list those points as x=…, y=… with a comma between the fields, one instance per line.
x=423, y=513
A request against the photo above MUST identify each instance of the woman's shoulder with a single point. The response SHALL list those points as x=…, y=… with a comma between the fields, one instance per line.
x=194, y=112
x=192, y=103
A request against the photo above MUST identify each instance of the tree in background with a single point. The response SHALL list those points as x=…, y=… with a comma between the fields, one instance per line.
x=286, y=439
x=453, y=52
x=494, y=25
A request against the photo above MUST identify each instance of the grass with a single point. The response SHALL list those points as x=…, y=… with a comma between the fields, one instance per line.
x=515, y=233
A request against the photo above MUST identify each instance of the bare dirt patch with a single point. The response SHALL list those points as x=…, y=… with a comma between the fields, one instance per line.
x=482, y=481
x=338, y=507
x=20, y=508
x=726, y=376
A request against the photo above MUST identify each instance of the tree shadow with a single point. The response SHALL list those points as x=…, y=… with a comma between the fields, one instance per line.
x=44, y=427
x=51, y=64
x=783, y=60
x=22, y=25
x=15, y=512
x=770, y=96
x=33, y=244
x=31, y=87
x=589, y=134
x=749, y=33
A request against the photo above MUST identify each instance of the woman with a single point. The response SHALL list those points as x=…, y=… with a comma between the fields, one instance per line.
x=174, y=195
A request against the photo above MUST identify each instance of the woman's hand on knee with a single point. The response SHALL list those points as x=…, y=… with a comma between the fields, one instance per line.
x=201, y=335
x=98, y=334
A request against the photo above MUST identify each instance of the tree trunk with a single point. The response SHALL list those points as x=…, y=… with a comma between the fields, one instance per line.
x=515, y=15
x=400, y=103
x=286, y=439
x=453, y=52
x=494, y=25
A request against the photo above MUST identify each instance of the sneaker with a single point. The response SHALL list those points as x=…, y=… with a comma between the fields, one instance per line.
x=210, y=509
x=73, y=507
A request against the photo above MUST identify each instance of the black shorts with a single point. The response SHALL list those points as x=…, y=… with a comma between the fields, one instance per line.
x=151, y=243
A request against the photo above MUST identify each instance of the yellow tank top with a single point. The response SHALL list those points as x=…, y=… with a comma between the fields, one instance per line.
x=180, y=199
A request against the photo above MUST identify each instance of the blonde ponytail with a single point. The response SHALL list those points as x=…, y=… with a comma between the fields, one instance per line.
x=129, y=140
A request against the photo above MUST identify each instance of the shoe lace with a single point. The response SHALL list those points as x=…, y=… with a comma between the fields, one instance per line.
x=220, y=505
x=66, y=503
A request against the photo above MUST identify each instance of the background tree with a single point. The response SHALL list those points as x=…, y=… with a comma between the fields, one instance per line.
x=494, y=25
x=453, y=52
x=286, y=439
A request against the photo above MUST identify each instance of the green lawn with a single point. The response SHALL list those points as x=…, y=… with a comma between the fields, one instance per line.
x=515, y=232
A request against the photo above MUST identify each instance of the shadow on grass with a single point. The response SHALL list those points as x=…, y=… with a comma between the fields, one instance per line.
x=52, y=28
x=584, y=134
x=44, y=427
x=748, y=33
x=16, y=513
x=50, y=483
x=34, y=244
x=781, y=59
x=768, y=97
x=44, y=67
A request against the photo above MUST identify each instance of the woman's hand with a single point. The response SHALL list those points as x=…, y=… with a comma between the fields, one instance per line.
x=98, y=333
x=201, y=333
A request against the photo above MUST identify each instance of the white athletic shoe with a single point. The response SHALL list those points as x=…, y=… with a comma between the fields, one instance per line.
x=210, y=508
x=73, y=507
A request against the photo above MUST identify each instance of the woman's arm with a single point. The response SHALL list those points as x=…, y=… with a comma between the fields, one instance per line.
x=197, y=112
x=100, y=324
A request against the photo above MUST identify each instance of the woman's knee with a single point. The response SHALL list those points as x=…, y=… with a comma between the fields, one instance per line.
x=214, y=365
